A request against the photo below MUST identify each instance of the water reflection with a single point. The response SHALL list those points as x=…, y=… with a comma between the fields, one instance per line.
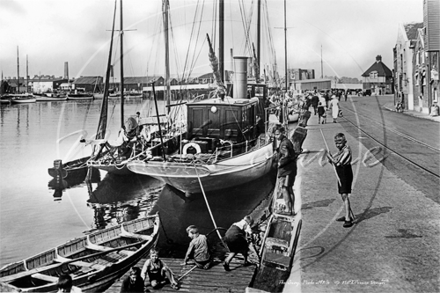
x=118, y=199
x=59, y=184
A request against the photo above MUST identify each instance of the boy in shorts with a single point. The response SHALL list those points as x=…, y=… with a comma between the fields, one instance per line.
x=342, y=162
x=156, y=273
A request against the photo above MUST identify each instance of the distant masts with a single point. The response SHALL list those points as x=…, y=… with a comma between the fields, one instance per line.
x=27, y=73
x=322, y=72
x=18, y=71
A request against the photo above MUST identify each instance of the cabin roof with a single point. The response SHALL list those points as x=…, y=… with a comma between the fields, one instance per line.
x=226, y=101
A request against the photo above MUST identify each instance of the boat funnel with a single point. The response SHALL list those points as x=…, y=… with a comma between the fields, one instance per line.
x=240, y=77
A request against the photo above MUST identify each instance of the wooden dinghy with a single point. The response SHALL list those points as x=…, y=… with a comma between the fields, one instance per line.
x=76, y=168
x=277, y=254
x=94, y=261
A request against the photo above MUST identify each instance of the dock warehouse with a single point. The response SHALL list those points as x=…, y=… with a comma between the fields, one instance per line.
x=312, y=84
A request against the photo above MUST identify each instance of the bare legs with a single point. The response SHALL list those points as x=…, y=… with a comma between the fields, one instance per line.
x=349, y=216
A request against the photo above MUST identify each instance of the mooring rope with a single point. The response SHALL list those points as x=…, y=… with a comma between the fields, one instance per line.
x=209, y=210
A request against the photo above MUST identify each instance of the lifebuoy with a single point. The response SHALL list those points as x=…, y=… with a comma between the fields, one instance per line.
x=193, y=145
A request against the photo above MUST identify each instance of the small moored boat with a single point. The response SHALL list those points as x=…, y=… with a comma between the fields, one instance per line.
x=94, y=261
x=73, y=168
x=49, y=97
x=79, y=96
x=23, y=98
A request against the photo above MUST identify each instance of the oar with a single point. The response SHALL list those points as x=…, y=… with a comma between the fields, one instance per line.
x=186, y=273
x=45, y=268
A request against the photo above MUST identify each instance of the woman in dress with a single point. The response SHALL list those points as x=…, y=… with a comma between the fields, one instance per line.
x=334, y=105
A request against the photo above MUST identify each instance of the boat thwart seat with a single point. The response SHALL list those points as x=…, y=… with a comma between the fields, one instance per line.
x=106, y=248
x=136, y=236
x=43, y=277
x=80, y=263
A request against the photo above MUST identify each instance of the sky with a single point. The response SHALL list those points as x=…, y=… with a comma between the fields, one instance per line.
x=346, y=35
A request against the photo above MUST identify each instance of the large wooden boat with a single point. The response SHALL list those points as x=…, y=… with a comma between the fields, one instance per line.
x=147, y=143
x=139, y=139
x=225, y=144
x=94, y=261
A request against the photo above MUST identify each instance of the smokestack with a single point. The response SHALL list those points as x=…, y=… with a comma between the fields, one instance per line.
x=66, y=70
x=240, y=77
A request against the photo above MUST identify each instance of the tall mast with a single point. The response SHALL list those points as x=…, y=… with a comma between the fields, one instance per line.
x=122, y=68
x=285, y=47
x=221, y=39
x=102, y=125
x=18, y=72
x=258, y=37
x=165, y=7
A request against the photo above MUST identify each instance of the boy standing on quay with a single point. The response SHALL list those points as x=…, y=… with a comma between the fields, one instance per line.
x=342, y=163
x=287, y=169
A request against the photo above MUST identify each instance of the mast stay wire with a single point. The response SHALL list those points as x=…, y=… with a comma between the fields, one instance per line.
x=187, y=57
x=247, y=20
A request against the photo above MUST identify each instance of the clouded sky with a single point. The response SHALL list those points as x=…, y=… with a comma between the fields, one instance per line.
x=51, y=32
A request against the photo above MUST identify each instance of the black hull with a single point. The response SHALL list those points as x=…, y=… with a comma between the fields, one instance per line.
x=227, y=206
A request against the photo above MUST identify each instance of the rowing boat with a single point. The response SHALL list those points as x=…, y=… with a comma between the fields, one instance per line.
x=277, y=254
x=94, y=261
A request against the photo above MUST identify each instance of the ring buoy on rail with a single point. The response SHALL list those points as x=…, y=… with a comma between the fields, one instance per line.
x=191, y=145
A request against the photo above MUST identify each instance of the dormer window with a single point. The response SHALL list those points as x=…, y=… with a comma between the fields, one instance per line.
x=373, y=74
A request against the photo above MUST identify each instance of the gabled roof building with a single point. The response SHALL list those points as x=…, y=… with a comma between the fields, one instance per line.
x=378, y=78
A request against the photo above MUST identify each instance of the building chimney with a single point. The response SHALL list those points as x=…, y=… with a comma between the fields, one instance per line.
x=378, y=58
x=66, y=70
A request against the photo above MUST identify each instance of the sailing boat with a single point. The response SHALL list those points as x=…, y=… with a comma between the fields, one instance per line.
x=18, y=98
x=227, y=142
x=79, y=168
x=132, y=143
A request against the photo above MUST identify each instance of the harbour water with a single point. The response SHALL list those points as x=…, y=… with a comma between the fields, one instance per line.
x=32, y=137
x=34, y=216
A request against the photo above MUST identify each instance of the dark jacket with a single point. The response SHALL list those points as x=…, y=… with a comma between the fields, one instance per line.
x=128, y=287
x=286, y=157
x=315, y=101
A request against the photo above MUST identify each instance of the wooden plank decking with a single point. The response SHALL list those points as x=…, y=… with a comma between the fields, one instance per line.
x=215, y=279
